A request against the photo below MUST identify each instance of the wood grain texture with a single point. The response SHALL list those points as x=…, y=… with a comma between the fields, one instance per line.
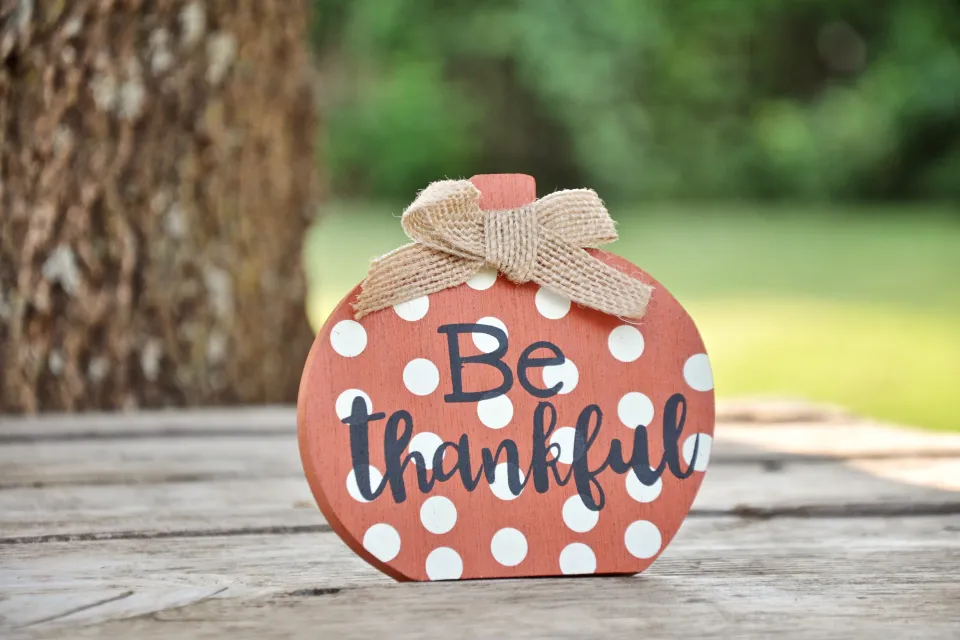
x=806, y=525
x=110, y=484
x=214, y=421
x=202, y=456
x=758, y=603
x=142, y=460
x=860, y=439
x=189, y=508
x=282, y=419
x=734, y=572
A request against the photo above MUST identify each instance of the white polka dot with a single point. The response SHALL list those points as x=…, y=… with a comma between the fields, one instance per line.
x=382, y=541
x=348, y=338
x=577, y=558
x=551, y=306
x=426, y=444
x=566, y=374
x=482, y=279
x=501, y=483
x=697, y=372
x=438, y=514
x=354, y=490
x=577, y=516
x=641, y=492
x=444, y=564
x=626, y=343
x=413, y=310
x=703, y=450
x=642, y=539
x=565, y=437
x=495, y=413
x=484, y=341
x=509, y=547
x=421, y=377
x=344, y=403
x=635, y=409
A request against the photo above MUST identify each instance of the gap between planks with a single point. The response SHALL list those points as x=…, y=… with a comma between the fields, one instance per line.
x=823, y=512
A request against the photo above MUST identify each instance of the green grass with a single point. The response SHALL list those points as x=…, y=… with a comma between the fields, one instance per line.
x=857, y=308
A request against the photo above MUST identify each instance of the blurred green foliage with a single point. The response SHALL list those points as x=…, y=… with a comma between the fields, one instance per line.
x=813, y=99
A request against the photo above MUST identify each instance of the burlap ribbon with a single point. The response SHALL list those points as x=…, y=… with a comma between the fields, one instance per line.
x=541, y=242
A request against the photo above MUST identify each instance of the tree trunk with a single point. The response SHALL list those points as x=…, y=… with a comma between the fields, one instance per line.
x=156, y=181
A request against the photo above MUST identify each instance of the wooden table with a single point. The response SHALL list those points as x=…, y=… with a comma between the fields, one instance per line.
x=810, y=523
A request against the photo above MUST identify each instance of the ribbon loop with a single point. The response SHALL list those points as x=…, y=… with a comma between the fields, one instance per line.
x=446, y=216
x=542, y=242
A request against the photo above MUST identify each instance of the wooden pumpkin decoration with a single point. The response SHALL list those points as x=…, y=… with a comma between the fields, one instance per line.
x=495, y=429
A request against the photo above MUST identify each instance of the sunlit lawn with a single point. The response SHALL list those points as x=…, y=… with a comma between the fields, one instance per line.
x=859, y=308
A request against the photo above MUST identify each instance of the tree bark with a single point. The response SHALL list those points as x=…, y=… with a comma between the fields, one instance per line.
x=156, y=181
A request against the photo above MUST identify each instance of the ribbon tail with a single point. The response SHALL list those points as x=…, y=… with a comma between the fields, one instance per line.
x=578, y=215
x=571, y=271
x=410, y=272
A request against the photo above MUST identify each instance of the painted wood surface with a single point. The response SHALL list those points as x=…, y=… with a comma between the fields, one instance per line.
x=807, y=524
x=625, y=414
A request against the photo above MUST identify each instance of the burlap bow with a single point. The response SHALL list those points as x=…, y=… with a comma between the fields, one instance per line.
x=541, y=242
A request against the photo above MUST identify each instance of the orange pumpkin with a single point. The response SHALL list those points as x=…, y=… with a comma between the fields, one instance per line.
x=430, y=466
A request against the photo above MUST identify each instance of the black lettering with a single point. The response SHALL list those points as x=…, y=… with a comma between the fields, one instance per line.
x=672, y=428
x=490, y=462
x=544, y=460
x=493, y=359
x=639, y=462
x=439, y=456
x=469, y=480
x=541, y=461
x=584, y=478
x=359, y=421
x=394, y=444
x=527, y=361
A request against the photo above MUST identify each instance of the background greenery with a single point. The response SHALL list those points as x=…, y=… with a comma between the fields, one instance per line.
x=646, y=98
x=789, y=169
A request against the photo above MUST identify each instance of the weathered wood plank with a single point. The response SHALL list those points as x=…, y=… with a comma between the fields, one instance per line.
x=755, y=576
x=78, y=606
x=850, y=439
x=209, y=511
x=202, y=456
x=858, y=596
x=146, y=460
x=118, y=510
x=940, y=473
x=139, y=424
x=283, y=419
x=184, y=507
